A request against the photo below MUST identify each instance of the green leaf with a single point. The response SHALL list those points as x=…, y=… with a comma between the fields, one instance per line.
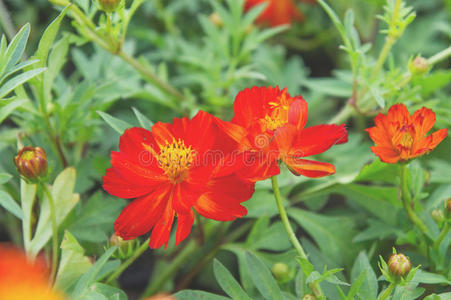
x=104, y=291
x=6, y=110
x=64, y=198
x=143, y=120
x=378, y=171
x=333, y=234
x=197, y=295
x=27, y=196
x=227, y=282
x=306, y=266
x=5, y=177
x=430, y=278
x=10, y=205
x=15, y=49
x=73, y=263
x=368, y=289
x=83, y=285
x=18, y=80
x=262, y=278
x=115, y=123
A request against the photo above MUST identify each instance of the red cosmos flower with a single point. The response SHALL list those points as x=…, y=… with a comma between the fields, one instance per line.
x=277, y=12
x=269, y=126
x=23, y=280
x=170, y=170
x=400, y=137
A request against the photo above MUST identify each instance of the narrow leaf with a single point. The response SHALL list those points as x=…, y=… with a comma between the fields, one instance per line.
x=10, y=205
x=115, y=123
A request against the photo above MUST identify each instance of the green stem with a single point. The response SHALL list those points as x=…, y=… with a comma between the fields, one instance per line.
x=407, y=201
x=169, y=271
x=128, y=262
x=442, y=235
x=387, y=292
x=54, y=231
x=291, y=235
x=440, y=56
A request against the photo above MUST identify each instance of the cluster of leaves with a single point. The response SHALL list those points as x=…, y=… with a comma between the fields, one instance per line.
x=58, y=97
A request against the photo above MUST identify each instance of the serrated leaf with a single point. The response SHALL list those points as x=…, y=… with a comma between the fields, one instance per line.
x=115, y=123
x=227, y=282
x=262, y=278
x=8, y=203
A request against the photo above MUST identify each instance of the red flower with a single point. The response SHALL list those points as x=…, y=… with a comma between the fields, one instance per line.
x=269, y=126
x=277, y=12
x=20, y=279
x=170, y=170
x=400, y=137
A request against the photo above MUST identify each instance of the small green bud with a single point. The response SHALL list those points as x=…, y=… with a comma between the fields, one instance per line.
x=126, y=248
x=418, y=66
x=31, y=162
x=437, y=215
x=280, y=271
x=399, y=264
x=308, y=297
x=216, y=19
x=109, y=5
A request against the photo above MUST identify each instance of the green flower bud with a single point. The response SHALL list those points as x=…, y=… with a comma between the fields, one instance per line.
x=109, y=5
x=216, y=19
x=32, y=163
x=437, y=215
x=280, y=271
x=399, y=264
x=308, y=297
x=126, y=248
x=418, y=66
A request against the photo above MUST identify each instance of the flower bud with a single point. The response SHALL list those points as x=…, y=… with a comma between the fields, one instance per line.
x=399, y=264
x=418, y=66
x=448, y=205
x=32, y=163
x=308, y=297
x=216, y=19
x=125, y=248
x=437, y=215
x=109, y=5
x=280, y=271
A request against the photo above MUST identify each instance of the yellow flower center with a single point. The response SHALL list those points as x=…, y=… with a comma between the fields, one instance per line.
x=27, y=155
x=278, y=116
x=175, y=159
x=406, y=140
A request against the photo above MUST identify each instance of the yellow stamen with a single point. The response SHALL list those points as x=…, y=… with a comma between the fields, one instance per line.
x=175, y=159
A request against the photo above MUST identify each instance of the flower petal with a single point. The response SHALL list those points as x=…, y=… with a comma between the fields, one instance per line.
x=386, y=154
x=118, y=186
x=430, y=142
x=309, y=168
x=141, y=214
x=399, y=114
x=424, y=120
x=162, y=229
x=298, y=113
x=259, y=166
x=184, y=224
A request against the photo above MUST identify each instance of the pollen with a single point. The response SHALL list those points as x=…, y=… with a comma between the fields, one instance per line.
x=278, y=116
x=176, y=159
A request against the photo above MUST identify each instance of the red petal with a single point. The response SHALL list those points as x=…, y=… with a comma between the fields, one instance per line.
x=298, y=113
x=184, y=223
x=398, y=113
x=135, y=141
x=379, y=136
x=162, y=230
x=259, y=166
x=386, y=154
x=423, y=120
x=430, y=142
x=284, y=138
x=142, y=213
x=309, y=168
x=317, y=139
x=118, y=186
x=201, y=132
x=222, y=200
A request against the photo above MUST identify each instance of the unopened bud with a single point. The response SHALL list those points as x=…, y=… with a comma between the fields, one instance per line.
x=437, y=215
x=216, y=19
x=308, y=297
x=280, y=271
x=418, y=66
x=32, y=163
x=125, y=248
x=109, y=5
x=448, y=205
x=399, y=264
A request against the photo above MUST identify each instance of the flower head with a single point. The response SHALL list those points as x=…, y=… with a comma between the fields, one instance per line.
x=399, y=264
x=31, y=162
x=277, y=12
x=401, y=137
x=171, y=170
x=269, y=126
x=22, y=280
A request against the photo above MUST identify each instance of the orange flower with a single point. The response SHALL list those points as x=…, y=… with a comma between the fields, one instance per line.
x=277, y=12
x=269, y=126
x=400, y=137
x=22, y=280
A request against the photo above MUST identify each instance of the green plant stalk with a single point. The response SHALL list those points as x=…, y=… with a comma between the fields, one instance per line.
x=440, y=56
x=442, y=235
x=54, y=231
x=291, y=235
x=171, y=269
x=128, y=262
x=407, y=201
x=387, y=291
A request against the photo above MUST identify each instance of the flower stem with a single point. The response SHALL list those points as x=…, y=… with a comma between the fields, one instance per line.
x=387, y=292
x=442, y=235
x=407, y=201
x=291, y=235
x=54, y=231
x=128, y=262
x=440, y=56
